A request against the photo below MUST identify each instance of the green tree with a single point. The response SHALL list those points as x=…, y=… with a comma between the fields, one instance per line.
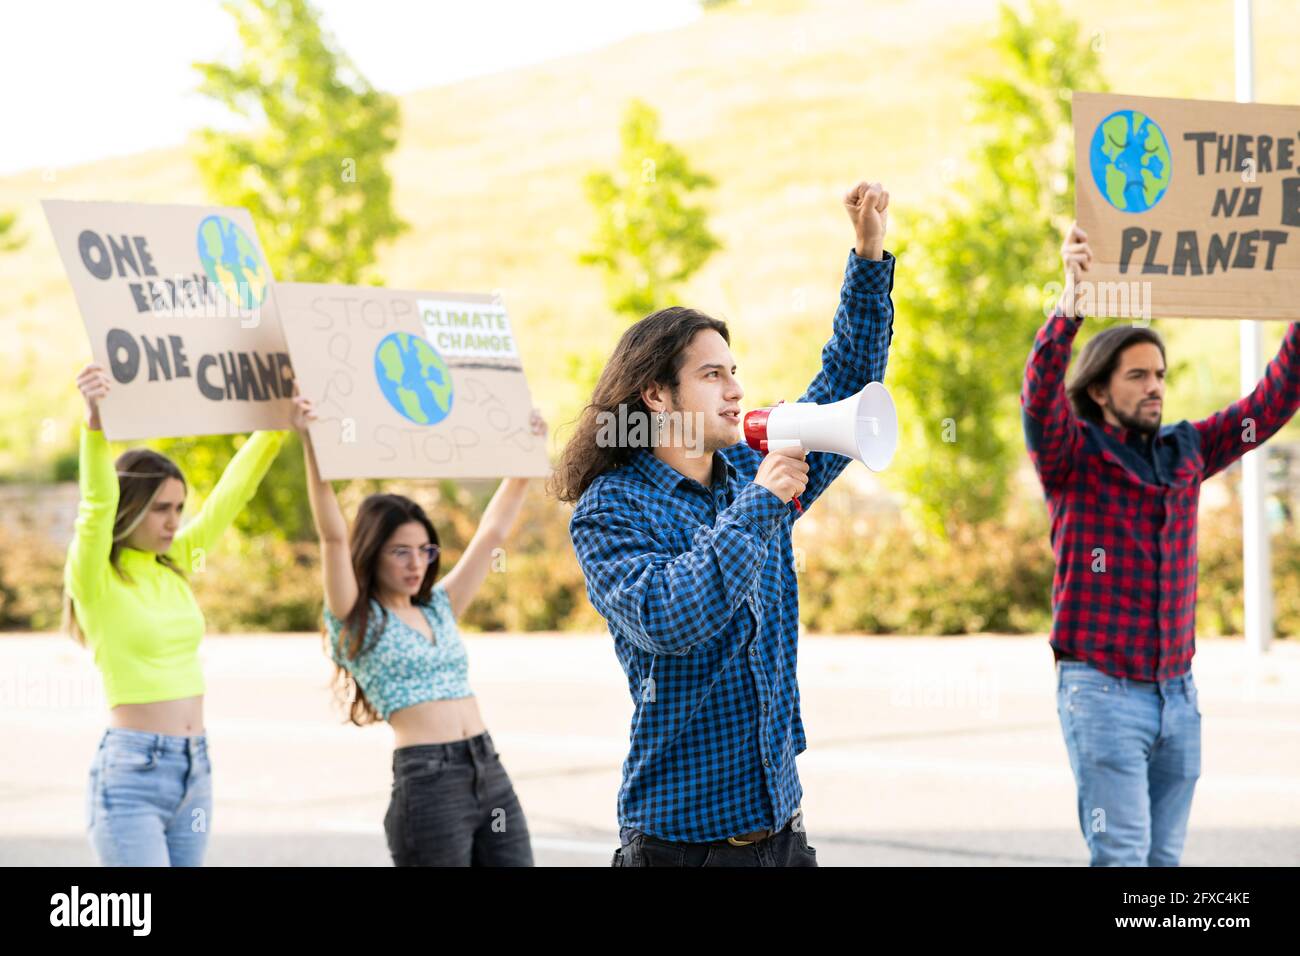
x=310, y=169
x=649, y=238
x=979, y=274
x=9, y=239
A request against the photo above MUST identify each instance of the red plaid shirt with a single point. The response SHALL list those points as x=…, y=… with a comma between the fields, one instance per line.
x=1123, y=509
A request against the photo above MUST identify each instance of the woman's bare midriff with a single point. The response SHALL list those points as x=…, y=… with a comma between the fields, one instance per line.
x=436, y=722
x=433, y=722
x=179, y=718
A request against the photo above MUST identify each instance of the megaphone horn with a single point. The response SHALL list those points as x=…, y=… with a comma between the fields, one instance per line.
x=863, y=426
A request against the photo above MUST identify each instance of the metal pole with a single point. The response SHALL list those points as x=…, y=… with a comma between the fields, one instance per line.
x=1257, y=565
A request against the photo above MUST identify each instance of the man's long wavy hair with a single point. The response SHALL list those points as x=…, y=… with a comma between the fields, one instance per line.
x=377, y=518
x=141, y=473
x=649, y=353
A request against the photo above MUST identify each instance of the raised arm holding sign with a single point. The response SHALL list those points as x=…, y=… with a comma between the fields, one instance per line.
x=1122, y=491
x=392, y=629
x=128, y=599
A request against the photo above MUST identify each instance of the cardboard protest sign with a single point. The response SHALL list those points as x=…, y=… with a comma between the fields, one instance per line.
x=1192, y=207
x=176, y=302
x=410, y=384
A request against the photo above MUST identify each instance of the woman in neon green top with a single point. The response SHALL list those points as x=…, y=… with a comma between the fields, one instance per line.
x=150, y=794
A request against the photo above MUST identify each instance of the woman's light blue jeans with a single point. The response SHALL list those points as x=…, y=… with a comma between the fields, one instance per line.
x=1135, y=749
x=150, y=799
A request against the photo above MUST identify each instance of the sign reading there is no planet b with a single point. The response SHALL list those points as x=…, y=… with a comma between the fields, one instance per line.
x=410, y=384
x=177, y=303
x=1192, y=207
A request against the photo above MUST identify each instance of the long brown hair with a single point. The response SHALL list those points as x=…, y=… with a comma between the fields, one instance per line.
x=649, y=353
x=141, y=473
x=1098, y=361
x=377, y=518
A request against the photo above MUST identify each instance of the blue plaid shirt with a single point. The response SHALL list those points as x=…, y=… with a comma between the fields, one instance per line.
x=698, y=588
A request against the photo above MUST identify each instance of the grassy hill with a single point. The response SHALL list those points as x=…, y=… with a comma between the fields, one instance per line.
x=784, y=102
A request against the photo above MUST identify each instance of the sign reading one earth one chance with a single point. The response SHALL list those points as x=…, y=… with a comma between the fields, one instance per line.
x=176, y=302
x=410, y=384
x=1192, y=207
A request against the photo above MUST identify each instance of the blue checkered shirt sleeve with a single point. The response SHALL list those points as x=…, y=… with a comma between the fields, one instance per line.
x=663, y=602
x=856, y=353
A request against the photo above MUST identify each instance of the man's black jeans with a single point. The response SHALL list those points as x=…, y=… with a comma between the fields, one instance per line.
x=789, y=847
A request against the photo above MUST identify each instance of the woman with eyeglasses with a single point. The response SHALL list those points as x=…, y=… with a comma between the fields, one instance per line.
x=392, y=635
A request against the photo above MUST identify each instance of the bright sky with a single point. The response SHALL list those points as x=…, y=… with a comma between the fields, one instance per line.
x=84, y=79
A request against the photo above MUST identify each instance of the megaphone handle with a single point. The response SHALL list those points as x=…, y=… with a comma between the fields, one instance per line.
x=798, y=507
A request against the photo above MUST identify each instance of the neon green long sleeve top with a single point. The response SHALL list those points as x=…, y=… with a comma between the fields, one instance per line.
x=145, y=632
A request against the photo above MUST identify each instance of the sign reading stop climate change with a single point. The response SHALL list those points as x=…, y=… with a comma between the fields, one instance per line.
x=176, y=300
x=1192, y=207
x=410, y=384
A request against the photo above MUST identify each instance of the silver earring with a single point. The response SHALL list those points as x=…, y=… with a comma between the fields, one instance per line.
x=660, y=420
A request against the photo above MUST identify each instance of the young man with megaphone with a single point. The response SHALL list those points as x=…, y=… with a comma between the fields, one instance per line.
x=686, y=551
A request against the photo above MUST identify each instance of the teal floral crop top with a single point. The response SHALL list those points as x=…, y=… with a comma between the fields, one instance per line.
x=400, y=667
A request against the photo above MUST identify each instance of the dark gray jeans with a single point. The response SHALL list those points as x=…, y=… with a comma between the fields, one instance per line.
x=454, y=805
x=789, y=847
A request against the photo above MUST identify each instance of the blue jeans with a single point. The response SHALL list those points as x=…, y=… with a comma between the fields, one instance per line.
x=150, y=799
x=1135, y=749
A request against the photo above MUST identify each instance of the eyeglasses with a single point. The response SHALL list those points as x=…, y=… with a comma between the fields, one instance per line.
x=427, y=553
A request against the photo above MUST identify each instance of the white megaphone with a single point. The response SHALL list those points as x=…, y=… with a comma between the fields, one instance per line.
x=863, y=426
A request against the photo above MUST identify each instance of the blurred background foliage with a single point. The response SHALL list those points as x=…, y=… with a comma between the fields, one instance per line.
x=610, y=214
x=971, y=297
x=9, y=238
x=860, y=576
x=649, y=238
x=311, y=170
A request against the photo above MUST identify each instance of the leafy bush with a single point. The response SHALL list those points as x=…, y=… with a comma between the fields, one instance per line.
x=31, y=581
x=1219, y=600
x=260, y=584
x=885, y=578
x=859, y=573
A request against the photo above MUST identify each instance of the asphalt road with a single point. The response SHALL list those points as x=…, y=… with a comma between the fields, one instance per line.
x=922, y=752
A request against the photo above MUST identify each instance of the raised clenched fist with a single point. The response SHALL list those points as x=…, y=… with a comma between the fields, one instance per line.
x=868, y=206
